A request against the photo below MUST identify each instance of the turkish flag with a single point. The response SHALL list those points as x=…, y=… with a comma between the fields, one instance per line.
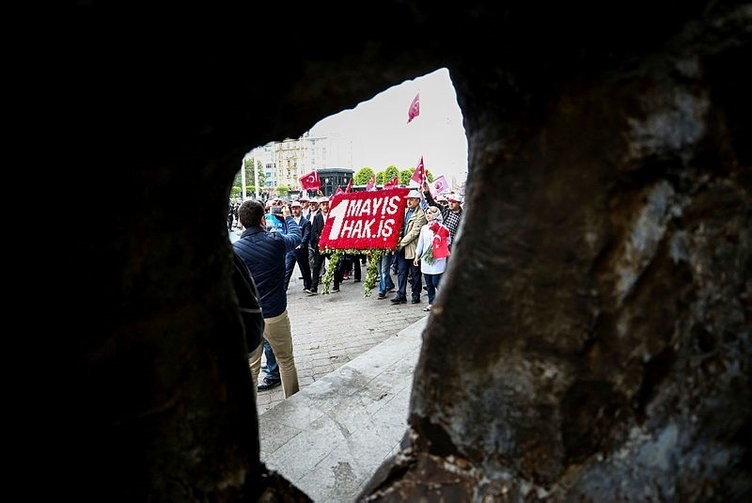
x=419, y=175
x=414, y=109
x=440, y=244
x=310, y=181
x=392, y=184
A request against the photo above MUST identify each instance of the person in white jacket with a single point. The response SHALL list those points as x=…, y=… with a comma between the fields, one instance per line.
x=432, y=252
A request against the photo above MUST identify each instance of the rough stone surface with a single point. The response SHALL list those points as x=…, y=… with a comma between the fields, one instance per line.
x=592, y=337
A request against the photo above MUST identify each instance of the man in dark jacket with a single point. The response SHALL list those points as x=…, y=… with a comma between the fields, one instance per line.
x=264, y=253
x=300, y=254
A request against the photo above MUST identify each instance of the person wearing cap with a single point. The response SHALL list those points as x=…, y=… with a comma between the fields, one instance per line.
x=305, y=209
x=264, y=253
x=300, y=254
x=415, y=218
x=452, y=213
x=317, y=227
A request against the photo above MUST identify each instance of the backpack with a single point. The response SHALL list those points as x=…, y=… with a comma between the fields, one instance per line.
x=248, y=299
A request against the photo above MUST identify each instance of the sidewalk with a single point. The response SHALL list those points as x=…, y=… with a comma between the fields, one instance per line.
x=330, y=438
x=355, y=357
x=330, y=330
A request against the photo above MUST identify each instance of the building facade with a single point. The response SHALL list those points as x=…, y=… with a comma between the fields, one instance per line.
x=283, y=163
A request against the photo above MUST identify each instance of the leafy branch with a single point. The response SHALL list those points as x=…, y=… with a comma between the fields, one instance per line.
x=372, y=273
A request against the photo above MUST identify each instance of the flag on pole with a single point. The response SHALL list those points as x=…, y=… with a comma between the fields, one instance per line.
x=310, y=181
x=349, y=186
x=419, y=176
x=371, y=185
x=439, y=186
x=414, y=109
x=394, y=182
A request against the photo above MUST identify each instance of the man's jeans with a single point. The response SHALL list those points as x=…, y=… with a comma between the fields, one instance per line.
x=271, y=369
x=406, y=270
x=385, y=277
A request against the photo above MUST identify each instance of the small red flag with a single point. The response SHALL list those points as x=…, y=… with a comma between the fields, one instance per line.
x=310, y=181
x=349, y=186
x=440, y=243
x=419, y=175
x=371, y=185
x=414, y=109
x=393, y=183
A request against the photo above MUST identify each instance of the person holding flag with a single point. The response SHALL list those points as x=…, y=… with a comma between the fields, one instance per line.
x=451, y=214
x=432, y=252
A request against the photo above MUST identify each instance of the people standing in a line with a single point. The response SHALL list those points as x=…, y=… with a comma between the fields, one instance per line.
x=432, y=251
x=415, y=218
x=317, y=226
x=300, y=254
x=264, y=253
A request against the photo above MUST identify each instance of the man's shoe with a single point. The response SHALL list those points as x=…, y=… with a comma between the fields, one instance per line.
x=356, y=281
x=307, y=290
x=312, y=292
x=381, y=296
x=399, y=300
x=335, y=289
x=415, y=301
x=269, y=384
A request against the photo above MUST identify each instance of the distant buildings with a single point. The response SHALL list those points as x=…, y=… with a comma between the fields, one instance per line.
x=283, y=163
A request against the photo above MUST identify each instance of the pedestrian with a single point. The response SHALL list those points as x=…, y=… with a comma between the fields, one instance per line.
x=300, y=254
x=415, y=218
x=264, y=253
x=452, y=212
x=317, y=226
x=384, y=265
x=432, y=251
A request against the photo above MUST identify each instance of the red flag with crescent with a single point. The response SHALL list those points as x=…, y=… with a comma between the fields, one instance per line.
x=419, y=175
x=310, y=181
x=392, y=184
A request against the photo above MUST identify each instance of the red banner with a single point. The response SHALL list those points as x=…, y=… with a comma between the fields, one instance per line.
x=365, y=220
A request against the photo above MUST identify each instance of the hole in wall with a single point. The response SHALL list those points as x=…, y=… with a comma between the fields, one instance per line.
x=377, y=135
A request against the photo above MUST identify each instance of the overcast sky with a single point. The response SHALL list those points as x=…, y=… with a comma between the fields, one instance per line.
x=381, y=136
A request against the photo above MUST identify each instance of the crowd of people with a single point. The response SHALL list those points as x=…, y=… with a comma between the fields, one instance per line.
x=280, y=235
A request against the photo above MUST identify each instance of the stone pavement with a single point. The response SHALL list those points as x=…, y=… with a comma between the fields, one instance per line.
x=355, y=357
x=330, y=330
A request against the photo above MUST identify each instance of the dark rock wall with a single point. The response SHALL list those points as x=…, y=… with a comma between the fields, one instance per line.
x=592, y=337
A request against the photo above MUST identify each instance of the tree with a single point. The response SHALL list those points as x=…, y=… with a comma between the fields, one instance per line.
x=283, y=190
x=362, y=176
x=250, y=180
x=390, y=172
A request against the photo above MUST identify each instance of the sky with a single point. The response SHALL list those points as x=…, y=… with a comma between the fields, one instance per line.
x=381, y=136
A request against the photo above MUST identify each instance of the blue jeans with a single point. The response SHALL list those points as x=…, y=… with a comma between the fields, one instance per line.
x=406, y=270
x=271, y=369
x=432, y=283
x=385, y=276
